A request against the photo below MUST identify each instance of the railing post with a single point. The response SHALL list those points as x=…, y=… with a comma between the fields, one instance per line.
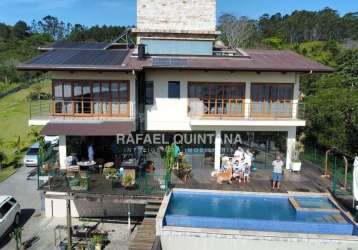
x=334, y=188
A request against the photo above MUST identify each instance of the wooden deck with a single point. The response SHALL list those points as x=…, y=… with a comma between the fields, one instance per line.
x=145, y=236
x=308, y=180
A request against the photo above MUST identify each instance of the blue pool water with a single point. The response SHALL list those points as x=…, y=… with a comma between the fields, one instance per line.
x=254, y=212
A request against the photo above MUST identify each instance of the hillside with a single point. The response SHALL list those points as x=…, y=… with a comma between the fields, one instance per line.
x=14, y=114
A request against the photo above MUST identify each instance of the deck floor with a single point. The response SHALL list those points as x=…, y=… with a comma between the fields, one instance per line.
x=308, y=180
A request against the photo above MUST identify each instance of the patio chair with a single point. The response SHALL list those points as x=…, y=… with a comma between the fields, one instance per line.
x=109, y=165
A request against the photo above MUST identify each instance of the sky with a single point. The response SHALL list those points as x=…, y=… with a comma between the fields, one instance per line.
x=123, y=12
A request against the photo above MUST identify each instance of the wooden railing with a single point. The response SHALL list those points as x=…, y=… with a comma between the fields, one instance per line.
x=238, y=109
x=41, y=109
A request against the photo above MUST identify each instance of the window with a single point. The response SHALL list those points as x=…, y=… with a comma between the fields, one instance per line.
x=149, y=93
x=13, y=201
x=5, y=208
x=87, y=98
x=217, y=98
x=173, y=89
x=268, y=99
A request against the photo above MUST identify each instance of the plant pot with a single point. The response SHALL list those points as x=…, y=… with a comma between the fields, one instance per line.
x=296, y=166
x=98, y=247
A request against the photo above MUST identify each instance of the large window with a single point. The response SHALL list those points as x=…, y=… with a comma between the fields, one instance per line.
x=173, y=89
x=218, y=98
x=271, y=99
x=91, y=98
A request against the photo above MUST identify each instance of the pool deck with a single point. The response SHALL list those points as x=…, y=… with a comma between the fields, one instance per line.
x=308, y=180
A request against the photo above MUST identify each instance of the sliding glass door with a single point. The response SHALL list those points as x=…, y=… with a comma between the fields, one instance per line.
x=271, y=100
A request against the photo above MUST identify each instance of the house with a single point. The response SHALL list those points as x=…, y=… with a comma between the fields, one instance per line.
x=178, y=79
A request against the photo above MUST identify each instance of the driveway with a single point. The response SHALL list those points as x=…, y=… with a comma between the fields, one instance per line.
x=35, y=224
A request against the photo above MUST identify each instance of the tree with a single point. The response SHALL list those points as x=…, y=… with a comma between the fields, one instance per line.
x=17, y=146
x=20, y=30
x=236, y=32
x=5, y=31
x=2, y=154
x=57, y=29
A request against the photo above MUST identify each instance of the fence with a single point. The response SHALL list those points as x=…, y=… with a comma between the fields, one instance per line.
x=335, y=167
x=43, y=173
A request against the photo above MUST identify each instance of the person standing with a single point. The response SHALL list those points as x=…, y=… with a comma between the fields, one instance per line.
x=277, y=172
x=90, y=153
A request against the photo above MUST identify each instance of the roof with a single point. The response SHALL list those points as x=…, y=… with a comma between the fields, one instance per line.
x=73, y=59
x=75, y=45
x=257, y=60
x=88, y=128
x=4, y=198
x=95, y=57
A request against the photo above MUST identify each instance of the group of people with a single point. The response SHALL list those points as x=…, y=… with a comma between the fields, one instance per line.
x=241, y=164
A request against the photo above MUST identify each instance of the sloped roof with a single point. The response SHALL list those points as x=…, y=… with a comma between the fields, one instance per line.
x=97, y=57
x=78, y=59
x=88, y=128
x=75, y=45
x=257, y=60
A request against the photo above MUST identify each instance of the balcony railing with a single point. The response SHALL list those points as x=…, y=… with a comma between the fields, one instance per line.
x=45, y=109
x=237, y=109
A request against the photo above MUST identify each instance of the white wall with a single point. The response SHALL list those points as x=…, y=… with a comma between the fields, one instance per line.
x=172, y=114
x=179, y=15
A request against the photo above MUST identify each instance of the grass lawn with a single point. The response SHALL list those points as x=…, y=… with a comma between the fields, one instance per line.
x=14, y=114
x=6, y=172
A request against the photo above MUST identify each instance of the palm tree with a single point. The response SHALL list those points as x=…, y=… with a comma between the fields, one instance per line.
x=34, y=134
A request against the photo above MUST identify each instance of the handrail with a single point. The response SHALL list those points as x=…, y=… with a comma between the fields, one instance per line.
x=237, y=108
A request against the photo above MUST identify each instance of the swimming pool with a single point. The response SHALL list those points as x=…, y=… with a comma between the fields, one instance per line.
x=257, y=212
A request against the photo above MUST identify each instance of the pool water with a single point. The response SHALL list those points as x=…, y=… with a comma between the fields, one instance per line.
x=315, y=203
x=222, y=206
x=255, y=212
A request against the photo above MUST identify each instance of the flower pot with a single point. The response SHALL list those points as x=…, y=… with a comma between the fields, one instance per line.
x=296, y=166
x=98, y=247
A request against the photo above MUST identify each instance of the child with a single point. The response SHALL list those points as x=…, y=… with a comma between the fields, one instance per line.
x=247, y=172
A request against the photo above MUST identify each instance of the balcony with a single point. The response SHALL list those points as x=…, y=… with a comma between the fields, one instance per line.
x=237, y=110
x=42, y=111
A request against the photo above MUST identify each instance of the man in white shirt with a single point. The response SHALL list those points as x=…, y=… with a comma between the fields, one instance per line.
x=277, y=172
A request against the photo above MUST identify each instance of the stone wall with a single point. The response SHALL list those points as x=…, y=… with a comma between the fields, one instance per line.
x=176, y=15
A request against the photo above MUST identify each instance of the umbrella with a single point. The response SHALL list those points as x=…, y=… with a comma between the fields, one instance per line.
x=355, y=180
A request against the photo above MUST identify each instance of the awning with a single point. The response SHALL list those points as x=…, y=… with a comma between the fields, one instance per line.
x=88, y=128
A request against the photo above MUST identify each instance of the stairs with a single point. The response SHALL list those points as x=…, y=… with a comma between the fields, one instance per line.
x=152, y=208
x=145, y=237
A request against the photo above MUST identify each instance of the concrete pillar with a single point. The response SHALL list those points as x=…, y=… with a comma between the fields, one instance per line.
x=296, y=93
x=62, y=150
x=291, y=143
x=247, y=100
x=217, y=149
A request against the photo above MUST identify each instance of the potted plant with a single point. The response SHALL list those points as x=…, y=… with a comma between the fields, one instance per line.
x=185, y=168
x=299, y=148
x=128, y=181
x=98, y=240
x=149, y=167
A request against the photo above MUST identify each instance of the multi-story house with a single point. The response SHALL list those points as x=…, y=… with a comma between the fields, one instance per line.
x=178, y=79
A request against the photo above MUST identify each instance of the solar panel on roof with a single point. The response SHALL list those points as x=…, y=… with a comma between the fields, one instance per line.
x=173, y=62
x=77, y=45
x=81, y=57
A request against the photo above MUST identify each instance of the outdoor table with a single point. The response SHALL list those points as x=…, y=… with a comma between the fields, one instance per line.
x=85, y=165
